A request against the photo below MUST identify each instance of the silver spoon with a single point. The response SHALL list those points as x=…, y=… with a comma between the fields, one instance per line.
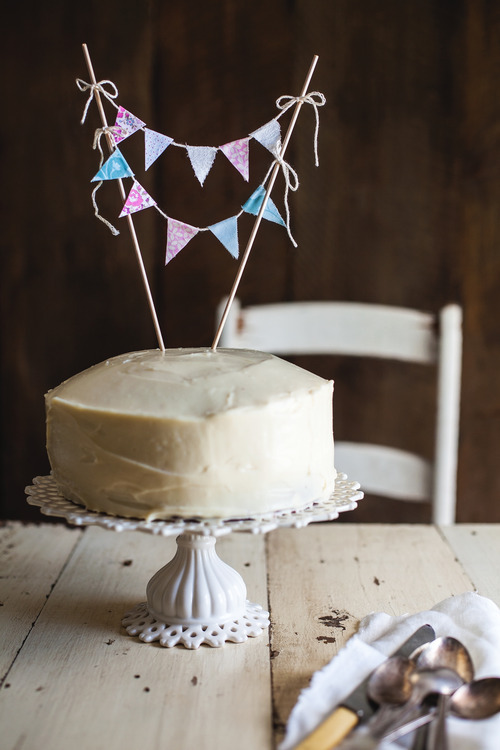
x=442, y=652
x=476, y=700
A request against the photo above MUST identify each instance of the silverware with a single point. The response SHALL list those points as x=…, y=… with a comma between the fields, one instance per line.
x=356, y=708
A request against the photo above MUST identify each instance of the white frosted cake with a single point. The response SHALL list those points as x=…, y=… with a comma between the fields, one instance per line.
x=192, y=433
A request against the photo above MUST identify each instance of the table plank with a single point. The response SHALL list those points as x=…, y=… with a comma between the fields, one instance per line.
x=325, y=578
x=478, y=548
x=31, y=559
x=79, y=672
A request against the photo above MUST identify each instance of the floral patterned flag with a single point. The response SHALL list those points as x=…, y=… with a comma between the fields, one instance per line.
x=125, y=124
x=154, y=145
x=237, y=153
x=227, y=232
x=269, y=135
x=137, y=200
x=201, y=158
x=114, y=168
x=178, y=235
x=253, y=204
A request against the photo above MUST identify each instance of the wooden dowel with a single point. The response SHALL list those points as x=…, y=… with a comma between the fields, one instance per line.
x=258, y=220
x=130, y=222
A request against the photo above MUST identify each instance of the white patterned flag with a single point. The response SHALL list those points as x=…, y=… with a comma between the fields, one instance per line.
x=227, y=232
x=114, y=168
x=125, y=124
x=237, y=153
x=201, y=158
x=269, y=136
x=154, y=145
x=137, y=200
x=178, y=235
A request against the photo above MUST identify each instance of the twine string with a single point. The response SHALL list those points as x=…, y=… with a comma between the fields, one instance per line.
x=315, y=99
x=92, y=88
x=106, y=130
x=291, y=183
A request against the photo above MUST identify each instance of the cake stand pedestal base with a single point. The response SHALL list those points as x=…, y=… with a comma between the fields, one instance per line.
x=196, y=599
x=141, y=623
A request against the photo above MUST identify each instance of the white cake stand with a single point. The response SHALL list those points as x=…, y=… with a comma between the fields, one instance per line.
x=196, y=598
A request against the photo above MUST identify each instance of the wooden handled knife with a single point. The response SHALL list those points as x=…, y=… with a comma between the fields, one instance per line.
x=356, y=708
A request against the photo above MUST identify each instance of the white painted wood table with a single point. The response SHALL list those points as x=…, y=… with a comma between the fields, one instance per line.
x=71, y=677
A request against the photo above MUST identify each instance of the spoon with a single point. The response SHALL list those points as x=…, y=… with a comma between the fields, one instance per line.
x=442, y=652
x=475, y=700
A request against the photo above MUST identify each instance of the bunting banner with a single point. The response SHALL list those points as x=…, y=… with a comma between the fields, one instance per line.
x=202, y=159
x=114, y=168
x=178, y=235
x=154, y=146
x=125, y=125
x=227, y=233
x=137, y=200
x=253, y=204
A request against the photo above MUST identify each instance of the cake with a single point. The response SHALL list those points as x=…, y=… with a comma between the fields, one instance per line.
x=192, y=433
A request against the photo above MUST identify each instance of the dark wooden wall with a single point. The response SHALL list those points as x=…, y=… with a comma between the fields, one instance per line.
x=404, y=208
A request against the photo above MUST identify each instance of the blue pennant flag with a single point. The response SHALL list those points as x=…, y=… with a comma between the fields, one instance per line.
x=114, y=168
x=253, y=204
x=227, y=232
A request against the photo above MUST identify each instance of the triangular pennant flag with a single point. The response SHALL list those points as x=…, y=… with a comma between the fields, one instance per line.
x=114, y=168
x=178, y=235
x=227, y=232
x=202, y=158
x=137, y=200
x=154, y=145
x=125, y=124
x=269, y=135
x=253, y=204
x=237, y=153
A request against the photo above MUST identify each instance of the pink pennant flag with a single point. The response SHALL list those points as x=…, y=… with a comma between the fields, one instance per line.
x=137, y=200
x=178, y=235
x=237, y=153
x=125, y=124
x=154, y=145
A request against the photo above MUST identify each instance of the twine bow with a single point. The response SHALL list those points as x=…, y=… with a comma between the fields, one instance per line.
x=93, y=87
x=315, y=99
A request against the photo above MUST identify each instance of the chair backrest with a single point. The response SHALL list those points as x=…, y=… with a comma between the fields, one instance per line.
x=368, y=330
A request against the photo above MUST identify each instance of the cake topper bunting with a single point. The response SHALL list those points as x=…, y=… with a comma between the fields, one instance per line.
x=202, y=158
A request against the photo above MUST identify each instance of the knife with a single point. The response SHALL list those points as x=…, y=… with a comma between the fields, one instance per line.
x=356, y=708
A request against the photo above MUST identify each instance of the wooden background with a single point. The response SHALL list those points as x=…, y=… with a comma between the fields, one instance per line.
x=403, y=209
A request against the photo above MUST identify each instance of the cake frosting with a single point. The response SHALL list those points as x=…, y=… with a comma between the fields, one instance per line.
x=192, y=433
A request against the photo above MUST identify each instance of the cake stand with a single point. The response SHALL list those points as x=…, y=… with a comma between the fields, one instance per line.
x=196, y=598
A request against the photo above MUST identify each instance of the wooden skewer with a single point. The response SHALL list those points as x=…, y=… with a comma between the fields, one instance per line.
x=131, y=226
x=258, y=220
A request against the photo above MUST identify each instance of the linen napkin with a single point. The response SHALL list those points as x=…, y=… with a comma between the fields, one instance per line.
x=472, y=619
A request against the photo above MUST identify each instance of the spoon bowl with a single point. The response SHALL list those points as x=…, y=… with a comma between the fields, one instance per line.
x=444, y=652
x=476, y=700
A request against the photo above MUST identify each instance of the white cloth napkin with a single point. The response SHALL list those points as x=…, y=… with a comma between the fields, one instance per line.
x=472, y=619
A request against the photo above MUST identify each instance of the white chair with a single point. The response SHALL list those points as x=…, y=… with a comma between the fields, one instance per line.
x=358, y=329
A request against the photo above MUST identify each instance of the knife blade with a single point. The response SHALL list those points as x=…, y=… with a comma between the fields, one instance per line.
x=356, y=708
